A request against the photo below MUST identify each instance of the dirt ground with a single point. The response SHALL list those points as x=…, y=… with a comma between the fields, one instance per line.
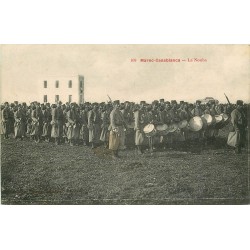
x=43, y=173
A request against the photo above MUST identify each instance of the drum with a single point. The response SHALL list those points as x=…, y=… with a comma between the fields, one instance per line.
x=195, y=124
x=209, y=119
x=162, y=129
x=172, y=127
x=224, y=122
x=149, y=130
x=182, y=124
x=218, y=121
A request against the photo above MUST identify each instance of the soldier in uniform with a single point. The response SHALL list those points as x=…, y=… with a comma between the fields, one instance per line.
x=140, y=123
x=197, y=137
x=45, y=123
x=239, y=121
x=105, y=121
x=94, y=125
x=39, y=115
x=117, y=126
x=65, y=122
x=128, y=117
x=71, y=121
x=5, y=115
x=19, y=124
x=34, y=124
x=174, y=114
x=84, y=132
x=214, y=131
x=11, y=119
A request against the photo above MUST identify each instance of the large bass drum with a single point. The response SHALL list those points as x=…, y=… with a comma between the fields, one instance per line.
x=218, y=121
x=195, y=124
x=224, y=122
x=149, y=130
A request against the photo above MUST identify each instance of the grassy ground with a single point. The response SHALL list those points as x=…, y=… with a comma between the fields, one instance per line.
x=47, y=174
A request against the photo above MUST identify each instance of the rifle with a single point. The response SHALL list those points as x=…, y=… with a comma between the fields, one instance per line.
x=109, y=98
x=227, y=99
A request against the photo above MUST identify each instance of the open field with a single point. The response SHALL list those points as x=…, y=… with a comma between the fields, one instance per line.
x=47, y=174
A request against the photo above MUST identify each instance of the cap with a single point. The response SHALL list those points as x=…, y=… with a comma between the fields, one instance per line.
x=239, y=102
x=116, y=102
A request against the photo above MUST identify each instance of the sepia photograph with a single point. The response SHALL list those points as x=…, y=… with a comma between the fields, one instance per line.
x=124, y=124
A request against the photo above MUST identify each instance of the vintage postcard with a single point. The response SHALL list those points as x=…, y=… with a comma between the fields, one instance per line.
x=124, y=124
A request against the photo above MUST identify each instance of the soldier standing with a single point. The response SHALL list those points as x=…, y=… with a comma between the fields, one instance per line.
x=239, y=122
x=117, y=125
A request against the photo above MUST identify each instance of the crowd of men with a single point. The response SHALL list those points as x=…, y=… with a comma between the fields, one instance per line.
x=116, y=125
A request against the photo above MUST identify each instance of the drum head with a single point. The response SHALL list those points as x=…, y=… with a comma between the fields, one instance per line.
x=172, y=127
x=149, y=130
x=208, y=118
x=183, y=124
x=224, y=122
x=162, y=127
x=218, y=118
x=195, y=124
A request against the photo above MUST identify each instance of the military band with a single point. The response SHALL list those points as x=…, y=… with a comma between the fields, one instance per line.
x=117, y=126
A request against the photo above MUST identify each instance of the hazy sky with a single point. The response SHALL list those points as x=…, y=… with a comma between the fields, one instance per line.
x=108, y=70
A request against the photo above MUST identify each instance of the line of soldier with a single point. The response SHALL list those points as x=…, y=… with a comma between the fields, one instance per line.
x=116, y=125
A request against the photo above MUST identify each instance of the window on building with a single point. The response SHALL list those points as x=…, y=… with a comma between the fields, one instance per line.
x=57, y=84
x=70, y=84
x=45, y=84
x=57, y=98
x=45, y=98
x=70, y=98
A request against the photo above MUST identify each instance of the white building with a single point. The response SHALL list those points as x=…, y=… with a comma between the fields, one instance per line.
x=62, y=88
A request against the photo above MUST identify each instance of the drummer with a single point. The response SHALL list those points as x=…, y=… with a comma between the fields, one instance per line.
x=197, y=111
x=197, y=137
x=156, y=112
x=174, y=114
x=184, y=114
x=140, y=123
x=213, y=112
x=153, y=117
x=128, y=117
x=166, y=118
